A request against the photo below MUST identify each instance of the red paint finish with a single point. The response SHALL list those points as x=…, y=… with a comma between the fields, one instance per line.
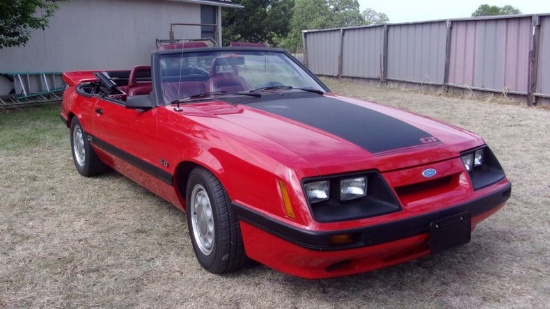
x=252, y=152
x=293, y=259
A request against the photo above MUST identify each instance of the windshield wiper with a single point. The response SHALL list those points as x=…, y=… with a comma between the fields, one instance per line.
x=213, y=93
x=283, y=87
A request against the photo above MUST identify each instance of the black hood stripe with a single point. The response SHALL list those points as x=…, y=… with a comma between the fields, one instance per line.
x=371, y=130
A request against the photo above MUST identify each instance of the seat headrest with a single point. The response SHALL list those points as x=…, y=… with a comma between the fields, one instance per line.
x=139, y=72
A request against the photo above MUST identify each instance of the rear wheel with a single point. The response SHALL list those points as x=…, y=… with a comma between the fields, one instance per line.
x=85, y=160
x=213, y=227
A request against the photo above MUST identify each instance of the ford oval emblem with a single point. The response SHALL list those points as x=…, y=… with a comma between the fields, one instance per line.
x=430, y=172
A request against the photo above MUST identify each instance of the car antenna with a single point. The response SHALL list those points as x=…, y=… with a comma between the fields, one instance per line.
x=178, y=109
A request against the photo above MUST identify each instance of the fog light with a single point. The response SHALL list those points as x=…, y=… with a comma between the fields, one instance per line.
x=468, y=161
x=317, y=191
x=353, y=188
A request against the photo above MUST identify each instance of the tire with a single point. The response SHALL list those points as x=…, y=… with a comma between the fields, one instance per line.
x=85, y=159
x=213, y=227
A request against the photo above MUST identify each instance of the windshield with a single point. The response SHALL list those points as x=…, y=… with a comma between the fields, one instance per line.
x=189, y=74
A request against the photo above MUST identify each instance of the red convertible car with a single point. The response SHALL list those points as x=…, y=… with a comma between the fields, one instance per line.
x=269, y=165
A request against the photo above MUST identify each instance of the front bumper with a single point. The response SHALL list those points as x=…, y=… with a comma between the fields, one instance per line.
x=310, y=254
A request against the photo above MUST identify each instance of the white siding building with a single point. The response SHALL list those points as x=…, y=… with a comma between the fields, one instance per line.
x=108, y=34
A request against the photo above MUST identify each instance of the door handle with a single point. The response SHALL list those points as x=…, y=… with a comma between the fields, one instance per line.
x=99, y=111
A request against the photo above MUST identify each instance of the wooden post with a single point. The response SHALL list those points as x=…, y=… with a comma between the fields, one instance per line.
x=384, y=62
x=533, y=62
x=304, y=46
x=341, y=54
x=218, y=29
x=447, y=56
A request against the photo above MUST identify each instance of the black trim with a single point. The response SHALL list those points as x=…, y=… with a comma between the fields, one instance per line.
x=378, y=201
x=83, y=93
x=489, y=173
x=135, y=161
x=155, y=64
x=370, y=235
x=369, y=129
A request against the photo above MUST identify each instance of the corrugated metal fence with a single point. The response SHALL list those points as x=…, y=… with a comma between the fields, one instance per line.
x=508, y=55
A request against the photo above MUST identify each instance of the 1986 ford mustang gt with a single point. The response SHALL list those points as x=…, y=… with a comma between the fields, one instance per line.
x=269, y=165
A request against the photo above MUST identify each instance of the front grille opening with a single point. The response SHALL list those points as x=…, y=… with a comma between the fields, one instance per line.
x=423, y=186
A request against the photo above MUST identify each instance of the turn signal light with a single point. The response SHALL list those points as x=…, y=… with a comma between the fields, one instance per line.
x=341, y=239
x=286, y=200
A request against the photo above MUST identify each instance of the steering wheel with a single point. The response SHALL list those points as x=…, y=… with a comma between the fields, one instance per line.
x=195, y=71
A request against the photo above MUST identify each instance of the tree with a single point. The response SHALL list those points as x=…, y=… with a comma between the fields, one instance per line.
x=279, y=16
x=493, y=10
x=260, y=21
x=19, y=17
x=345, y=13
x=371, y=17
x=307, y=14
x=281, y=22
x=322, y=14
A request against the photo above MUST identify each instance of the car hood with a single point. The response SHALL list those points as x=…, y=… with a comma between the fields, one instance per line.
x=337, y=134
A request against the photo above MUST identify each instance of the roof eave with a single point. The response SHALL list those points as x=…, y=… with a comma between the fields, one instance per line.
x=222, y=3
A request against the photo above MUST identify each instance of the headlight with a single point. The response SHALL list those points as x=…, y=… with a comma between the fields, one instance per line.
x=468, y=161
x=482, y=166
x=478, y=157
x=473, y=159
x=354, y=196
x=353, y=188
x=317, y=191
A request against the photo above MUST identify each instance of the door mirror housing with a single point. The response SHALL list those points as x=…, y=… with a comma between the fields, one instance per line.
x=139, y=102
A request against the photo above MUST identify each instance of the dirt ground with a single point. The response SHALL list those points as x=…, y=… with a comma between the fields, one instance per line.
x=70, y=241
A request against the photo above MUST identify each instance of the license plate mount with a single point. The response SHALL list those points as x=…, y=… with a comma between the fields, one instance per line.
x=450, y=232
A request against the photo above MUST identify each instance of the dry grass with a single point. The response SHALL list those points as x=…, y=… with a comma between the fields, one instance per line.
x=70, y=241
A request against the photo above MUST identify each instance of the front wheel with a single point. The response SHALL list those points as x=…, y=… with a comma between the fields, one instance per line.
x=85, y=160
x=213, y=227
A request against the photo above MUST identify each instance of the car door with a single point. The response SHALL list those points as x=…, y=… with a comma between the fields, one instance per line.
x=127, y=136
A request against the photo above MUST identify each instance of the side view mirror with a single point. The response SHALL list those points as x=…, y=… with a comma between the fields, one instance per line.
x=139, y=102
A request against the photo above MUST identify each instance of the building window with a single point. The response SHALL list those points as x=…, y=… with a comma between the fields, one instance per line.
x=208, y=16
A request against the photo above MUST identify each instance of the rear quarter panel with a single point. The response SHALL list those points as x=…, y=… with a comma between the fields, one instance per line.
x=80, y=106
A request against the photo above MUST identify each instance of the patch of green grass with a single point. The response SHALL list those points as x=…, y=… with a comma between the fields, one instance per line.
x=31, y=128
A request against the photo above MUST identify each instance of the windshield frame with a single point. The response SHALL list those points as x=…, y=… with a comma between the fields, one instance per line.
x=156, y=66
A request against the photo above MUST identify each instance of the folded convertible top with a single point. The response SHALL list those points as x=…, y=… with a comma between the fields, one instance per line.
x=76, y=77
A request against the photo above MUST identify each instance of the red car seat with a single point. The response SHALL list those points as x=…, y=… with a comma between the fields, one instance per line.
x=139, y=81
x=228, y=81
